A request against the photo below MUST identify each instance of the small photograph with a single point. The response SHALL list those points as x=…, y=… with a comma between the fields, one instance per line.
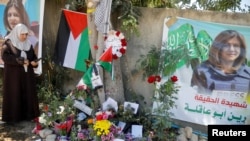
x=129, y=106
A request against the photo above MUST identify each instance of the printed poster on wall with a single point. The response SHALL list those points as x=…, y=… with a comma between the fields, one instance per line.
x=28, y=12
x=228, y=102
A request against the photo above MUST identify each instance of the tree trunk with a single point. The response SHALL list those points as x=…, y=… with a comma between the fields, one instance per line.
x=113, y=88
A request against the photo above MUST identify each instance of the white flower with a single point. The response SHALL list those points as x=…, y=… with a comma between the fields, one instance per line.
x=61, y=110
x=42, y=119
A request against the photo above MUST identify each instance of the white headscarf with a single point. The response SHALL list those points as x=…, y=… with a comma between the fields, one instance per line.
x=14, y=37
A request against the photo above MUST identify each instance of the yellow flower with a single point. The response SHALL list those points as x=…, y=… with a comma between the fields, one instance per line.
x=102, y=127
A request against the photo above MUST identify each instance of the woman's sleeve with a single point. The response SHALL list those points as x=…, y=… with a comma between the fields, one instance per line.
x=8, y=57
x=33, y=56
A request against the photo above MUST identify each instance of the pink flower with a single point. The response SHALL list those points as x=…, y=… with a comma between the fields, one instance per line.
x=80, y=136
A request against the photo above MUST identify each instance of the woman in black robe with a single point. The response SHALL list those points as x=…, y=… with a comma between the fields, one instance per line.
x=20, y=101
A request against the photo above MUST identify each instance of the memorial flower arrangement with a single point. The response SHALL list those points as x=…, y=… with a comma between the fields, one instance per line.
x=59, y=114
x=63, y=128
x=102, y=125
x=103, y=128
x=117, y=41
x=56, y=111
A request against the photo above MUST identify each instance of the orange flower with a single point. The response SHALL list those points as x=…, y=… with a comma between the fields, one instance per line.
x=90, y=121
x=46, y=108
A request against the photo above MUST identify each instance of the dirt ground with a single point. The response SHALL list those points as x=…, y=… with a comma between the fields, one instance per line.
x=17, y=132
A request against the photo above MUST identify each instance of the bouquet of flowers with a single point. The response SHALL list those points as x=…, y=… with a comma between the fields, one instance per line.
x=63, y=128
x=103, y=128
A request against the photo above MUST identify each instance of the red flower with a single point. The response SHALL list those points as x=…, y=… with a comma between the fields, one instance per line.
x=95, y=47
x=82, y=87
x=157, y=78
x=36, y=120
x=174, y=78
x=38, y=126
x=62, y=126
x=46, y=108
x=99, y=117
x=151, y=79
x=117, y=33
x=115, y=56
x=123, y=42
x=122, y=50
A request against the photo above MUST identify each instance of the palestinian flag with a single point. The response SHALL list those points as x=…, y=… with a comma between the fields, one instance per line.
x=72, y=44
x=91, y=78
x=106, y=59
x=85, y=82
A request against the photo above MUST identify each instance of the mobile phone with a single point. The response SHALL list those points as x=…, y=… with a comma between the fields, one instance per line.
x=37, y=59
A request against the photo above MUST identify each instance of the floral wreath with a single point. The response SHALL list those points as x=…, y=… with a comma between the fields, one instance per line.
x=117, y=41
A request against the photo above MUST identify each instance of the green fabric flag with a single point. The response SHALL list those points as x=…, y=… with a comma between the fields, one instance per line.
x=72, y=44
x=182, y=40
x=204, y=42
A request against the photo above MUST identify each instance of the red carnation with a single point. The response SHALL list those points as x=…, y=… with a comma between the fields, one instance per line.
x=124, y=42
x=123, y=50
x=115, y=56
x=174, y=78
x=99, y=117
x=157, y=78
x=151, y=79
x=117, y=33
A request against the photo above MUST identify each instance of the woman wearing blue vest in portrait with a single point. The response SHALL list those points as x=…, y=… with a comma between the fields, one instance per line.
x=225, y=69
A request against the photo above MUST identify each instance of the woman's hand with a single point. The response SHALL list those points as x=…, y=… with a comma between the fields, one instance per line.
x=34, y=63
x=26, y=62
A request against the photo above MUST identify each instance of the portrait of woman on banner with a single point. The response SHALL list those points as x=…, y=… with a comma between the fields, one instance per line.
x=226, y=68
x=20, y=11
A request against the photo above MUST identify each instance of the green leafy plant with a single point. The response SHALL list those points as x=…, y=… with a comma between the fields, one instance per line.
x=51, y=82
x=164, y=100
x=161, y=62
x=149, y=63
